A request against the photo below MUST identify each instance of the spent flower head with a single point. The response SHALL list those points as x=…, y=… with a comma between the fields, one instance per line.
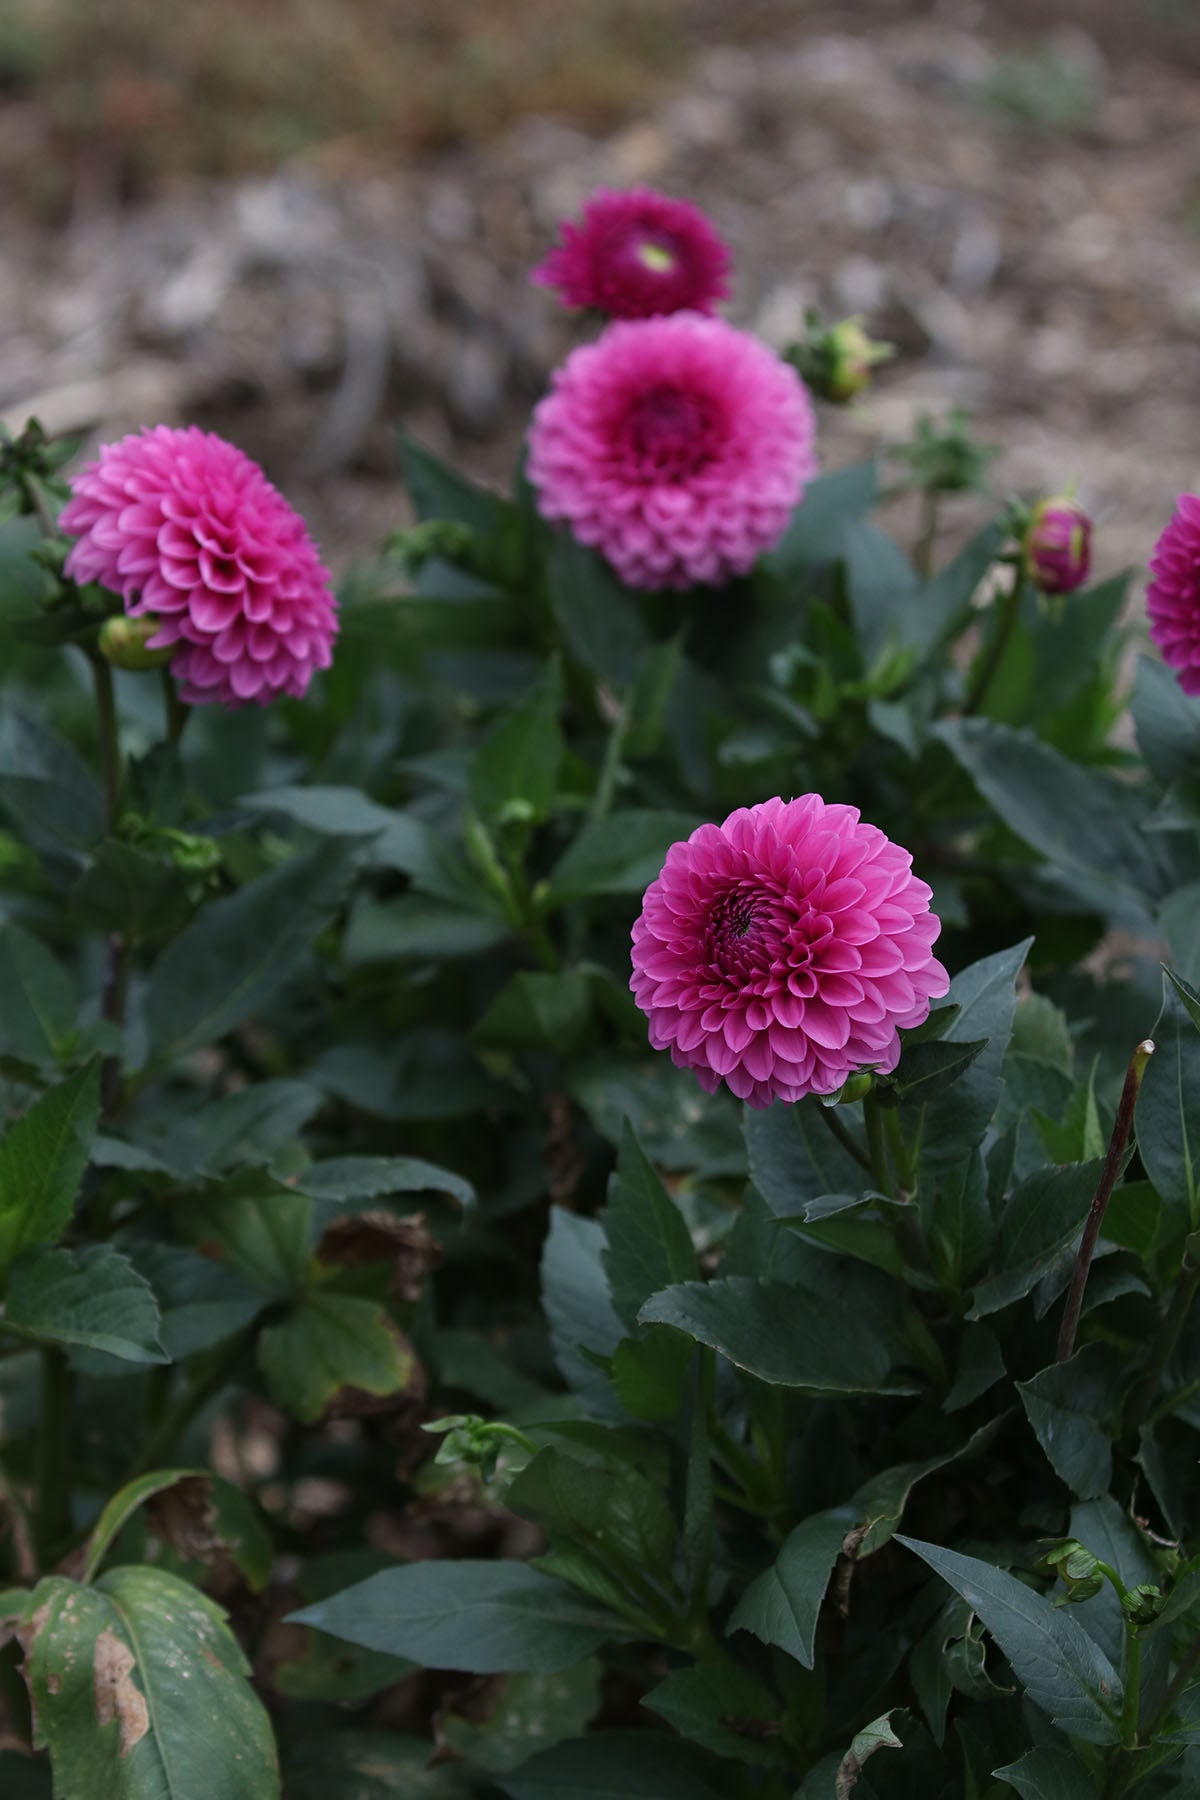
x=638, y=253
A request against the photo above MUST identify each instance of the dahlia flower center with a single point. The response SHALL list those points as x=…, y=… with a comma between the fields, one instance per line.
x=746, y=931
x=669, y=432
x=656, y=256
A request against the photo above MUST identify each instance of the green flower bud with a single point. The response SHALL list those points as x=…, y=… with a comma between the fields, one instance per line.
x=123, y=641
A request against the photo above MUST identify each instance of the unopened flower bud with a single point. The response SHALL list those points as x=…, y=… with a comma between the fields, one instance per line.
x=1058, y=545
x=124, y=642
x=837, y=360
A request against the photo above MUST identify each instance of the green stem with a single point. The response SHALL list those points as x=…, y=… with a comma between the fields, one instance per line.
x=175, y=712
x=1163, y=1347
x=698, y=1495
x=873, y=1117
x=1133, y=1688
x=927, y=542
x=1122, y=1126
x=839, y=1131
x=901, y=1161
x=157, y=1450
x=108, y=731
x=993, y=656
x=53, y=1453
x=610, y=768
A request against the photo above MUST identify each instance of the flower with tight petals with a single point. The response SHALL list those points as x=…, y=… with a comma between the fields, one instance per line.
x=1173, y=596
x=784, y=950
x=1058, y=545
x=187, y=530
x=638, y=253
x=677, y=447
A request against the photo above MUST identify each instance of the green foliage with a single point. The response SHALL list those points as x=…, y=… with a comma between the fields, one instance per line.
x=366, y=1273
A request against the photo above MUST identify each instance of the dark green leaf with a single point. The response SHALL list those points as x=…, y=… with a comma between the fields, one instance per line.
x=537, y=1010
x=236, y=952
x=530, y=1712
x=1068, y=1405
x=328, y=1342
x=1167, y=1123
x=924, y=1070
x=141, y=1694
x=93, y=1298
x=784, y=1336
x=42, y=1159
x=782, y=1605
x=649, y=1374
x=264, y=1238
x=816, y=533
x=1053, y=1658
x=439, y=492
x=579, y=1310
x=648, y=1245
x=481, y=1617
x=46, y=787
x=37, y=998
x=794, y=1158
x=619, y=854
x=1048, y=1774
x=1039, y=1224
x=879, y=577
x=617, y=1765
x=955, y=1121
x=598, y=617
x=1089, y=827
x=371, y=1765
x=344, y=1178
x=418, y=928
x=1167, y=722
x=724, y=1708
x=613, y=1507
x=514, y=775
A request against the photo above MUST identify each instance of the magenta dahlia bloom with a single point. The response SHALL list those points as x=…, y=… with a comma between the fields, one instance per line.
x=678, y=447
x=783, y=950
x=636, y=254
x=185, y=528
x=1173, y=597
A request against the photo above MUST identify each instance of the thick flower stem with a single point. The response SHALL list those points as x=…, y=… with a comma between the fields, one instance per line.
x=1108, y=1180
x=175, y=712
x=834, y=1125
x=876, y=1144
x=116, y=977
x=993, y=656
x=160, y=1445
x=610, y=768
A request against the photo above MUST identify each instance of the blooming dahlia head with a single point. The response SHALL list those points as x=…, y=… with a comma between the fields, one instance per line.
x=186, y=528
x=677, y=447
x=1173, y=597
x=638, y=253
x=783, y=950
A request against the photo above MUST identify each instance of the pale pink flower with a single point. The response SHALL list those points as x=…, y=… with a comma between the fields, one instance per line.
x=184, y=527
x=677, y=447
x=784, y=950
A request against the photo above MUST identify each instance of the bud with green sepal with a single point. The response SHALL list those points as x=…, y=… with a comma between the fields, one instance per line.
x=125, y=643
x=1056, y=545
x=836, y=361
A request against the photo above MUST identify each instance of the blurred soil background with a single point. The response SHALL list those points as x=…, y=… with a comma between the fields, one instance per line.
x=305, y=223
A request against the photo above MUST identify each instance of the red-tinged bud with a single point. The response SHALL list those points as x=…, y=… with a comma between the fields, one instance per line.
x=124, y=642
x=1058, y=545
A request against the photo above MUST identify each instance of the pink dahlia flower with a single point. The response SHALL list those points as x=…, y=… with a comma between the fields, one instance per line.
x=783, y=950
x=678, y=447
x=184, y=527
x=1173, y=597
x=636, y=254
